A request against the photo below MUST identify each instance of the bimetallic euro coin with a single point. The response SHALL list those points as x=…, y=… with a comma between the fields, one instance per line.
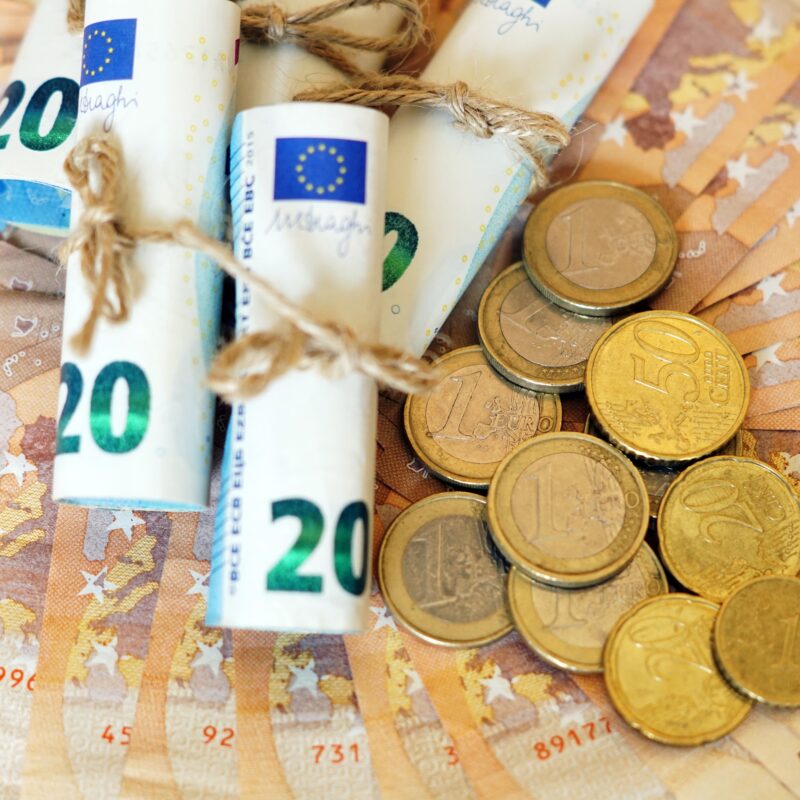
x=726, y=520
x=569, y=510
x=464, y=427
x=667, y=387
x=569, y=627
x=441, y=575
x=757, y=640
x=530, y=340
x=599, y=247
x=658, y=479
x=661, y=675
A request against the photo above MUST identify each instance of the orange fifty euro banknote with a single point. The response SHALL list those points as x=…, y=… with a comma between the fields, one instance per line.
x=752, y=193
x=762, y=315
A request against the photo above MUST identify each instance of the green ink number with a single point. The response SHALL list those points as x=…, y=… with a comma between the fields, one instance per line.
x=137, y=419
x=283, y=577
x=400, y=256
x=138, y=407
x=72, y=378
x=29, y=133
x=13, y=94
x=343, y=547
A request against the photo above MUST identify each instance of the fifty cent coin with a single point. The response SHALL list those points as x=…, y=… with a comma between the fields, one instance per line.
x=598, y=247
x=472, y=418
x=441, y=575
x=661, y=675
x=568, y=627
x=532, y=341
x=757, y=640
x=569, y=510
x=658, y=479
x=727, y=520
x=667, y=387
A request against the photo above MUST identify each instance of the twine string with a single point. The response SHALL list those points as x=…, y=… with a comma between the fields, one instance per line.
x=245, y=367
x=269, y=23
x=534, y=133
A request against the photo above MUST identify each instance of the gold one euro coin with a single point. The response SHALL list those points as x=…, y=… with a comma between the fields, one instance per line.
x=726, y=520
x=569, y=510
x=666, y=387
x=757, y=640
x=464, y=427
x=568, y=627
x=530, y=340
x=661, y=675
x=658, y=479
x=599, y=247
x=440, y=574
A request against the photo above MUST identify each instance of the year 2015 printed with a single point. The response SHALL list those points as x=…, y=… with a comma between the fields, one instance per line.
x=577, y=736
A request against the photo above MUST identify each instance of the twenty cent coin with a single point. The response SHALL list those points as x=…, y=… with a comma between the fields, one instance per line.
x=568, y=627
x=598, y=247
x=658, y=479
x=757, y=640
x=568, y=509
x=441, y=575
x=472, y=418
x=530, y=340
x=727, y=520
x=667, y=387
x=661, y=676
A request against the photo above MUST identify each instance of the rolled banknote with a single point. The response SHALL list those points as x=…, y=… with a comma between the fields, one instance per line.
x=294, y=522
x=450, y=194
x=135, y=423
x=37, y=123
x=274, y=73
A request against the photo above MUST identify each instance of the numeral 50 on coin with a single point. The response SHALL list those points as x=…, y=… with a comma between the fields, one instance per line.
x=352, y=577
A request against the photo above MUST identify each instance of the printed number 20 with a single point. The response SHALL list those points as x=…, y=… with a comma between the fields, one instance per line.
x=30, y=124
x=100, y=407
x=283, y=577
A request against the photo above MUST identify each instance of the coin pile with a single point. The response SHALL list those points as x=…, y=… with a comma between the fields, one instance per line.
x=556, y=550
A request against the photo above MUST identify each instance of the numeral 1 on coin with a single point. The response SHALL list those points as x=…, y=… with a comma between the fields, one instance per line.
x=789, y=640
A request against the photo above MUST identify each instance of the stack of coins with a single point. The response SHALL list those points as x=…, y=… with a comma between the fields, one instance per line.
x=556, y=550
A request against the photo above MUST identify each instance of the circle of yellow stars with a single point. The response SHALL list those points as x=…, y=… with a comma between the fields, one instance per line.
x=322, y=188
x=109, y=51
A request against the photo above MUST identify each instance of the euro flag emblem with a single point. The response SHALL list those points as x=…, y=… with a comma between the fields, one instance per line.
x=108, y=50
x=320, y=169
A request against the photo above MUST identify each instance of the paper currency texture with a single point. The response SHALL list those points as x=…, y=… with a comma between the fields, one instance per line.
x=274, y=73
x=37, y=123
x=136, y=418
x=444, y=218
x=292, y=545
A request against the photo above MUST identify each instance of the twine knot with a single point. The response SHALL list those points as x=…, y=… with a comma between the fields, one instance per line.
x=245, y=367
x=94, y=169
x=535, y=134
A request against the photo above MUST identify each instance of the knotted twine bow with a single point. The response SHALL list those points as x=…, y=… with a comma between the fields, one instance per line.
x=270, y=24
x=535, y=134
x=244, y=368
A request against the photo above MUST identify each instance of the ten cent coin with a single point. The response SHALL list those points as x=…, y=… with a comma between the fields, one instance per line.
x=598, y=247
x=568, y=627
x=757, y=640
x=441, y=575
x=472, y=418
x=727, y=520
x=568, y=509
x=667, y=386
x=661, y=676
x=658, y=479
x=530, y=340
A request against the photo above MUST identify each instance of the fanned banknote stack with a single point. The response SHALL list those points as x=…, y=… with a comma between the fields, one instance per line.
x=111, y=685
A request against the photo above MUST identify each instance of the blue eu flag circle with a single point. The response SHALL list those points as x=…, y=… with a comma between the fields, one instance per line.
x=320, y=168
x=108, y=51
